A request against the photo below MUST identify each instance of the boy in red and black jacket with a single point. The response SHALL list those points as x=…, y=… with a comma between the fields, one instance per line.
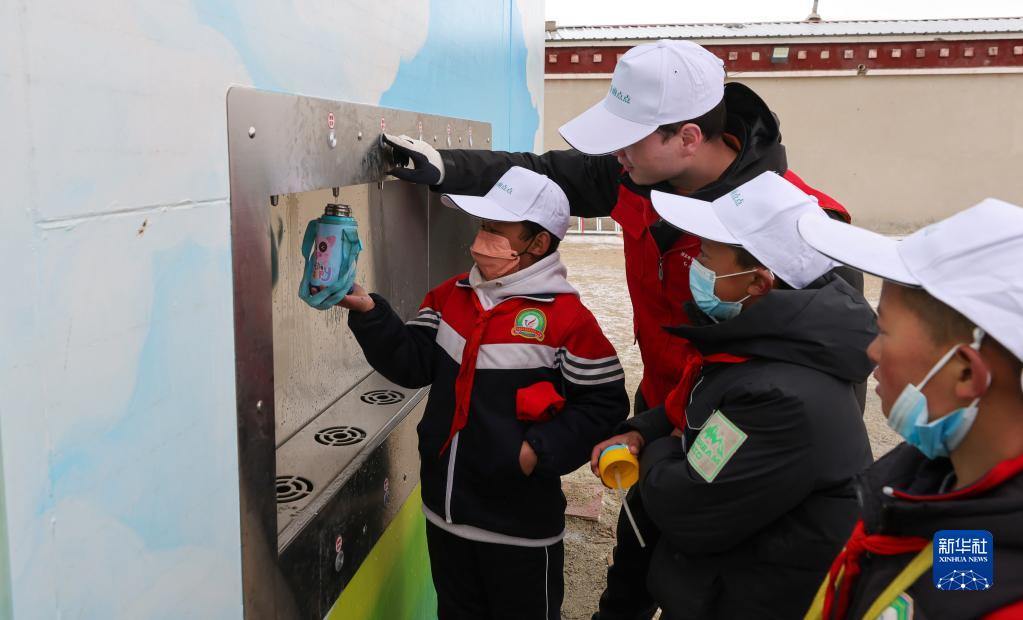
x=524, y=383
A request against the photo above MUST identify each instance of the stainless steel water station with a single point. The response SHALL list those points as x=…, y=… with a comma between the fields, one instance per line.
x=327, y=447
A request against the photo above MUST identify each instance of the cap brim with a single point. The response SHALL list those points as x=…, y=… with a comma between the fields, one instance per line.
x=692, y=215
x=480, y=206
x=598, y=131
x=856, y=247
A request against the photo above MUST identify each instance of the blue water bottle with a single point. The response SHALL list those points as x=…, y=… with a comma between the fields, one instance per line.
x=333, y=257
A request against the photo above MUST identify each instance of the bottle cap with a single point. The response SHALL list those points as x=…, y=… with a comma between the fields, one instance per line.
x=617, y=459
x=338, y=209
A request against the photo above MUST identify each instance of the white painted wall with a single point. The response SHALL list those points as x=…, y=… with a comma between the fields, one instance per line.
x=117, y=396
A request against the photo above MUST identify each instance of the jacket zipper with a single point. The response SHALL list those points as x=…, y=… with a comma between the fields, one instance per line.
x=451, y=477
x=692, y=395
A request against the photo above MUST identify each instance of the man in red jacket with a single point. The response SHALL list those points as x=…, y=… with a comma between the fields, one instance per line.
x=667, y=123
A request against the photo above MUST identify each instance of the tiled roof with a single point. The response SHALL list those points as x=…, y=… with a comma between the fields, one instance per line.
x=992, y=25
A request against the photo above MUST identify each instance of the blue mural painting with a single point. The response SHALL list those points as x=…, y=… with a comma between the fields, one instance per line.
x=472, y=66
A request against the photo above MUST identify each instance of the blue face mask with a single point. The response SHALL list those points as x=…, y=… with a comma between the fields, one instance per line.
x=701, y=283
x=909, y=414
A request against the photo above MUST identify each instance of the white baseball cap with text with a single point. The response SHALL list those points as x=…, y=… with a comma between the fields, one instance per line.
x=760, y=215
x=520, y=195
x=653, y=84
x=969, y=261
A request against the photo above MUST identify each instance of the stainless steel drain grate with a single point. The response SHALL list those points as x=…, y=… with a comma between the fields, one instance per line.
x=292, y=488
x=340, y=435
x=382, y=397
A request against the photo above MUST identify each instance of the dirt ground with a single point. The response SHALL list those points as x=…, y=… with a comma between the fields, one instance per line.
x=597, y=268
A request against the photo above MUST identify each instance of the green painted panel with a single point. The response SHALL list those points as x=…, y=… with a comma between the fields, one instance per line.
x=394, y=582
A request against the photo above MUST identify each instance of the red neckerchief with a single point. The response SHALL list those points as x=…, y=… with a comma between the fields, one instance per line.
x=678, y=398
x=467, y=370
x=849, y=558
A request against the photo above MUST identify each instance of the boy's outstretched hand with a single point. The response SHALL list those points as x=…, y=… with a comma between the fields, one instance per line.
x=632, y=439
x=358, y=300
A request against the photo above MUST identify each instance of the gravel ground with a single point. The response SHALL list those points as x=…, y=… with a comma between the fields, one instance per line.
x=596, y=267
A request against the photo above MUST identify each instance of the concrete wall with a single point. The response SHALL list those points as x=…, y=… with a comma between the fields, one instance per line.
x=117, y=395
x=898, y=150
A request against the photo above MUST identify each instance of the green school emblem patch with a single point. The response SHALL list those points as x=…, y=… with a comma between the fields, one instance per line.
x=715, y=445
x=530, y=323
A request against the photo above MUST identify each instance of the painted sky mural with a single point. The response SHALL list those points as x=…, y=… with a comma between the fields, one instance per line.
x=116, y=374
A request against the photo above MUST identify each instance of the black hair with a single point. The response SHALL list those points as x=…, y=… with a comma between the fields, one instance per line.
x=944, y=323
x=712, y=123
x=532, y=229
x=745, y=259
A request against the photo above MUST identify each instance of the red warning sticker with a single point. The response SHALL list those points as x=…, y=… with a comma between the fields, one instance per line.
x=330, y=120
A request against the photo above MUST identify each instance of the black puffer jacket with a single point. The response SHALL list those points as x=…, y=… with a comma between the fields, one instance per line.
x=755, y=540
x=915, y=505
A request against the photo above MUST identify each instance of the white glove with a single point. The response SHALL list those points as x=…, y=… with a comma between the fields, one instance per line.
x=429, y=169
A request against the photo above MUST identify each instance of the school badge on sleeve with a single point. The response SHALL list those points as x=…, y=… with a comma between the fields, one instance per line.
x=530, y=323
x=717, y=443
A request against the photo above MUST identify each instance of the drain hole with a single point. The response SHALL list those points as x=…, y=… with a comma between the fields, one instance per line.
x=292, y=488
x=382, y=397
x=340, y=435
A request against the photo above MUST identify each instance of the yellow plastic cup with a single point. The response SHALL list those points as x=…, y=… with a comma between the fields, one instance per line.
x=619, y=470
x=618, y=466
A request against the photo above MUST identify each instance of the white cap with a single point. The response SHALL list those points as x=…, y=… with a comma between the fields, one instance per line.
x=653, y=85
x=761, y=216
x=970, y=261
x=519, y=196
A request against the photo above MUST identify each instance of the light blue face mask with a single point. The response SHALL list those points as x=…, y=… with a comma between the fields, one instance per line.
x=701, y=283
x=909, y=414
